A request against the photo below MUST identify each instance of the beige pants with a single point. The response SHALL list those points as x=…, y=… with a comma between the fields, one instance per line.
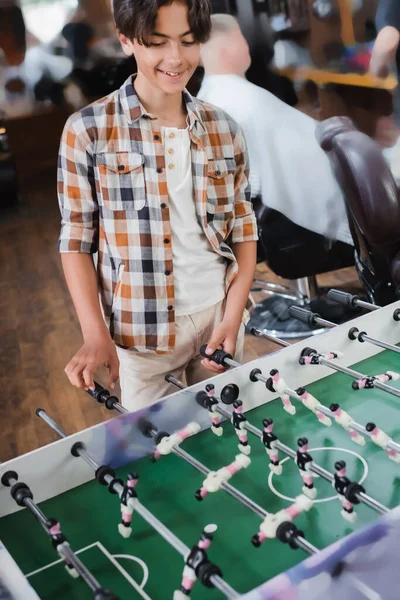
x=142, y=375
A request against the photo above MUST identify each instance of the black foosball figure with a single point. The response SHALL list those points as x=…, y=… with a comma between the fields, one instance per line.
x=269, y=440
x=304, y=462
x=197, y=565
x=58, y=539
x=129, y=493
x=238, y=421
x=347, y=491
x=214, y=414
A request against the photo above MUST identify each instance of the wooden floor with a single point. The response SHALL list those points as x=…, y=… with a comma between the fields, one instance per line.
x=39, y=331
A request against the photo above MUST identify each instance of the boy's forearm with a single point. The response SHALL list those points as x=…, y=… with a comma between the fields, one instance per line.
x=81, y=278
x=238, y=293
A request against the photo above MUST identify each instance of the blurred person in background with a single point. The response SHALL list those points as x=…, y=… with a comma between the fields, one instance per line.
x=288, y=169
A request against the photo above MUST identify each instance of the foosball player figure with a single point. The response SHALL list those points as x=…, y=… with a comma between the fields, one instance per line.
x=343, y=419
x=58, y=539
x=197, y=565
x=216, y=479
x=165, y=442
x=309, y=356
x=280, y=525
x=239, y=420
x=269, y=440
x=211, y=407
x=341, y=483
x=312, y=403
x=368, y=383
x=304, y=462
x=128, y=493
x=277, y=384
x=381, y=439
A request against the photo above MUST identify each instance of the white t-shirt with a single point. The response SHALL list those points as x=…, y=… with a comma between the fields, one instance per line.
x=199, y=272
x=288, y=168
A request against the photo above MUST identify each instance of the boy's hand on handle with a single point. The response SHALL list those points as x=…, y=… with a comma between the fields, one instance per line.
x=96, y=352
x=224, y=336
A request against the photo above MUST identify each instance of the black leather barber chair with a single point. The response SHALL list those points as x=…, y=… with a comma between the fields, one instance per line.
x=297, y=254
x=373, y=204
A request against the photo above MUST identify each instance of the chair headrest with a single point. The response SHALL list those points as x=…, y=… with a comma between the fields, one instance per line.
x=370, y=190
x=326, y=131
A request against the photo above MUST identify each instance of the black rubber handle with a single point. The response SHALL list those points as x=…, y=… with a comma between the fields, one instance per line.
x=219, y=356
x=343, y=298
x=99, y=393
x=304, y=315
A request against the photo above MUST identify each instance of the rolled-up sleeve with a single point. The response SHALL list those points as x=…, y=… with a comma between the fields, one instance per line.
x=76, y=193
x=245, y=227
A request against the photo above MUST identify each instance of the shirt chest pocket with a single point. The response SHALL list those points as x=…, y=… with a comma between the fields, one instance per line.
x=121, y=180
x=221, y=185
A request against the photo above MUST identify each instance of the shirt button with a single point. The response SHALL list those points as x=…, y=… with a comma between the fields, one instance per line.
x=159, y=170
x=218, y=173
x=167, y=273
x=170, y=307
x=163, y=205
x=171, y=166
x=121, y=167
x=171, y=151
x=166, y=241
x=171, y=136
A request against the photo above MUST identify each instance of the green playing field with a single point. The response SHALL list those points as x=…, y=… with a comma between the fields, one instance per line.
x=89, y=514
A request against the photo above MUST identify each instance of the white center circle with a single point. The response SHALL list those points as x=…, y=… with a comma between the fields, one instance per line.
x=289, y=499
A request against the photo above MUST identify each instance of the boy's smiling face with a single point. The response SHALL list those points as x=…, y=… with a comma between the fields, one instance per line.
x=172, y=54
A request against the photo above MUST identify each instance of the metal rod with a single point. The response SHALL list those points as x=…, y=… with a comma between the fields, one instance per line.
x=262, y=334
x=86, y=457
x=379, y=343
x=365, y=336
x=63, y=549
x=171, y=379
x=171, y=538
x=235, y=493
x=367, y=305
x=176, y=543
x=378, y=384
x=314, y=467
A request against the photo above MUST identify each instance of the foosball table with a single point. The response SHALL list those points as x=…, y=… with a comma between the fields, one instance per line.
x=278, y=479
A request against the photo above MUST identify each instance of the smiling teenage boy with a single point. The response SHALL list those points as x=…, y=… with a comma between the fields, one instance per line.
x=156, y=183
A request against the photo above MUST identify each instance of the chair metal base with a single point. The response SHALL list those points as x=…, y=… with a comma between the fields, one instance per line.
x=272, y=316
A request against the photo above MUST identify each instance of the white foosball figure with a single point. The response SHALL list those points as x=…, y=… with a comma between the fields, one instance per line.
x=238, y=421
x=167, y=442
x=382, y=439
x=215, y=479
x=271, y=523
x=269, y=440
x=196, y=559
x=312, y=404
x=343, y=419
x=280, y=386
x=304, y=462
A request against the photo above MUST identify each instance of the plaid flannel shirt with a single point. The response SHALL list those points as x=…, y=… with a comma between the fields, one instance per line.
x=113, y=199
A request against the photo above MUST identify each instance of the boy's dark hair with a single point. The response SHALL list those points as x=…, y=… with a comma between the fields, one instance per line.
x=136, y=19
